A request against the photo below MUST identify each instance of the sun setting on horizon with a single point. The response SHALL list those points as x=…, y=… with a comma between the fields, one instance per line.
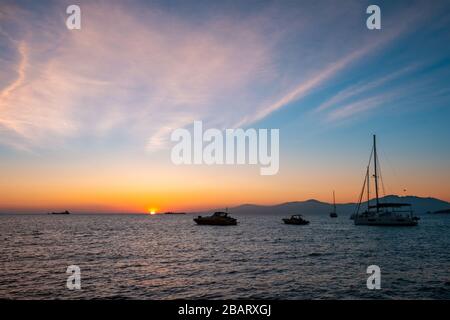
x=77, y=133
x=234, y=157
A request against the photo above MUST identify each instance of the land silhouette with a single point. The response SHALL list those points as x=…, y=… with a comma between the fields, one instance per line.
x=420, y=205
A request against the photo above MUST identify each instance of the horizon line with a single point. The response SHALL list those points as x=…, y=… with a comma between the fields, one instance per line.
x=86, y=212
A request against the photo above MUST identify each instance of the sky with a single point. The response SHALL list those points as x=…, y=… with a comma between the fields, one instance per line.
x=86, y=115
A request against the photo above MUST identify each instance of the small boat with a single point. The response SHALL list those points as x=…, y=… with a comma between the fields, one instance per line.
x=382, y=214
x=63, y=212
x=296, y=219
x=217, y=219
x=333, y=214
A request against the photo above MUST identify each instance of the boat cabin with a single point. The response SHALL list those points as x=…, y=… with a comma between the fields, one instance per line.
x=220, y=214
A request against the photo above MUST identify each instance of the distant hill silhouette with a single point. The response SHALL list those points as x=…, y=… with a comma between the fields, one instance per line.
x=420, y=206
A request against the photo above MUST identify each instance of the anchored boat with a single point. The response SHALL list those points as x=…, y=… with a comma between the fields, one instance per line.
x=63, y=212
x=217, y=219
x=381, y=214
x=296, y=219
x=333, y=214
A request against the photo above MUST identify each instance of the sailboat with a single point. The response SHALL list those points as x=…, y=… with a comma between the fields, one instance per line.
x=333, y=214
x=381, y=214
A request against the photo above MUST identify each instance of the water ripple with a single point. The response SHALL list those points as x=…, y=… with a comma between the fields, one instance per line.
x=169, y=257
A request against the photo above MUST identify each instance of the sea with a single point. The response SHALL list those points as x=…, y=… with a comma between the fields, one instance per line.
x=170, y=257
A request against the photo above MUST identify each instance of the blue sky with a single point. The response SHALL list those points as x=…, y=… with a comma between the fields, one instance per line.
x=114, y=90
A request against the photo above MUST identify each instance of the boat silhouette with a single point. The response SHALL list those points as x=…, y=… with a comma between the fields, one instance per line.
x=63, y=212
x=381, y=214
x=296, y=219
x=217, y=219
x=333, y=214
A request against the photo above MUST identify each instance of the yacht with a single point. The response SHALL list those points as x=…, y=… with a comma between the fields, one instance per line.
x=217, y=219
x=296, y=219
x=381, y=214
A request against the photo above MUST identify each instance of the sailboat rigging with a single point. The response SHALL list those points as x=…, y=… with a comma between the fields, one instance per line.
x=381, y=214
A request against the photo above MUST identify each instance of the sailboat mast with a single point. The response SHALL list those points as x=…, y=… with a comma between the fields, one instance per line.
x=368, y=188
x=375, y=157
x=334, y=202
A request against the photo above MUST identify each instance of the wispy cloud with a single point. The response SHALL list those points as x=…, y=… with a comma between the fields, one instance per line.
x=361, y=88
x=304, y=88
x=135, y=72
x=140, y=71
x=358, y=107
x=404, y=93
x=22, y=49
x=324, y=74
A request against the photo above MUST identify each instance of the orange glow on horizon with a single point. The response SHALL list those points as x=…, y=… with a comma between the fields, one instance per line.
x=141, y=187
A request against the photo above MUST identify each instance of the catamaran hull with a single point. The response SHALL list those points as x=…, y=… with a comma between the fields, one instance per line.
x=395, y=222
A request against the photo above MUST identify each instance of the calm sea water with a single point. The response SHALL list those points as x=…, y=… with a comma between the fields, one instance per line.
x=169, y=257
